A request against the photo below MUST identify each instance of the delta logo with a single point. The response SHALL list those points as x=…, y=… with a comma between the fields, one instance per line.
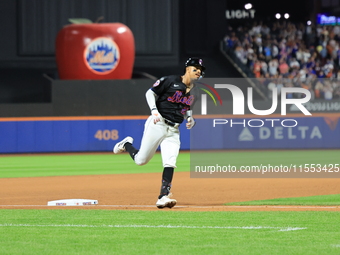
x=101, y=55
x=332, y=122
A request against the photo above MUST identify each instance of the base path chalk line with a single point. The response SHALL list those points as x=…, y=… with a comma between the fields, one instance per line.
x=153, y=226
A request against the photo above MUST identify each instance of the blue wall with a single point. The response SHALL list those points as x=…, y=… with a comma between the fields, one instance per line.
x=27, y=136
x=310, y=132
x=71, y=135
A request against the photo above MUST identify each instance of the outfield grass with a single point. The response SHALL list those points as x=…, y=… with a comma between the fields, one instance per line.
x=167, y=232
x=264, y=157
x=97, y=164
x=311, y=200
x=84, y=164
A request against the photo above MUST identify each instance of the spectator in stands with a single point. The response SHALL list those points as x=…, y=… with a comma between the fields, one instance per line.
x=231, y=40
x=321, y=74
x=323, y=52
x=294, y=64
x=303, y=73
x=311, y=63
x=265, y=30
x=275, y=49
x=318, y=90
x=241, y=54
x=317, y=68
x=264, y=68
x=273, y=67
x=328, y=90
x=257, y=69
x=267, y=52
x=247, y=40
x=283, y=67
x=304, y=54
x=250, y=56
x=328, y=68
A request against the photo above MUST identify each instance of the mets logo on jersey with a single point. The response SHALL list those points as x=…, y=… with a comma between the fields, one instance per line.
x=102, y=55
x=178, y=98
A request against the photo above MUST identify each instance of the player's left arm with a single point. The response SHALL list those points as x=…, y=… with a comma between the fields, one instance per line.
x=190, y=120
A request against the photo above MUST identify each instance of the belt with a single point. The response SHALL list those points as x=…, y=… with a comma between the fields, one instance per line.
x=170, y=123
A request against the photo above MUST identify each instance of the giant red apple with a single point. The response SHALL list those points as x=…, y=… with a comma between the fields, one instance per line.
x=95, y=51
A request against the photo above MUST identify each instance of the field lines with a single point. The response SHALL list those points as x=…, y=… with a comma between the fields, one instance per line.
x=158, y=232
x=155, y=226
x=182, y=208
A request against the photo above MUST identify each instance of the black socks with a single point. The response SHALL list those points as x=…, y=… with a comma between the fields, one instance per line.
x=168, y=173
x=131, y=150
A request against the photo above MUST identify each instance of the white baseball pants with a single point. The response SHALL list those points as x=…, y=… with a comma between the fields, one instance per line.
x=159, y=134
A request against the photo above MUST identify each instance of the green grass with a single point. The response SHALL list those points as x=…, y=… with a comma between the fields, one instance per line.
x=86, y=164
x=167, y=232
x=273, y=157
x=312, y=200
x=97, y=164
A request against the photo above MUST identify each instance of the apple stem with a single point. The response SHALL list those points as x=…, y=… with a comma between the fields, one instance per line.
x=99, y=19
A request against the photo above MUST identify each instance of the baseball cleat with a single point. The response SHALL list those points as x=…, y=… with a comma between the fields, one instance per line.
x=119, y=147
x=166, y=201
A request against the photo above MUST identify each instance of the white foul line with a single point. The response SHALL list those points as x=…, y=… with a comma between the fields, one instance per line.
x=151, y=226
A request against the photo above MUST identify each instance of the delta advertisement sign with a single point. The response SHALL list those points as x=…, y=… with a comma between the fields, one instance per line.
x=263, y=128
x=263, y=133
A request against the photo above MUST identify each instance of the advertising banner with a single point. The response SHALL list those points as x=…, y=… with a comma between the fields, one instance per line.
x=81, y=134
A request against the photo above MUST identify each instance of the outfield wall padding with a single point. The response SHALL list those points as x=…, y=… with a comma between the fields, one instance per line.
x=79, y=135
x=85, y=134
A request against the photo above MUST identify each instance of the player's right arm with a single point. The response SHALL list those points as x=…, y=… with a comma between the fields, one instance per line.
x=157, y=89
x=151, y=100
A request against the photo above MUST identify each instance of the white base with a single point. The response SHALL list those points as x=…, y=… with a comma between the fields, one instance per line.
x=72, y=202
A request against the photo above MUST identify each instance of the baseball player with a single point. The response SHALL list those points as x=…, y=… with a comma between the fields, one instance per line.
x=169, y=100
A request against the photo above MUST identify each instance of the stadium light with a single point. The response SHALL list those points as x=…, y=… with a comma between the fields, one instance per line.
x=248, y=6
x=277, y=15
x=286, y=16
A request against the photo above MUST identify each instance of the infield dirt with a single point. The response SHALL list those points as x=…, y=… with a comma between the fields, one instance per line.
x=140, y=191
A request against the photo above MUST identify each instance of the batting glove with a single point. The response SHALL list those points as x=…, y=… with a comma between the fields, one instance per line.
x=190, y=123
x=156, y=116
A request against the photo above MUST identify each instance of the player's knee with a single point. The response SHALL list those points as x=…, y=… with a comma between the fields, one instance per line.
x=141, y=162
x=170, y=165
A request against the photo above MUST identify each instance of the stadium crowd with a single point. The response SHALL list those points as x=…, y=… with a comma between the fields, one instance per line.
x=286, y=54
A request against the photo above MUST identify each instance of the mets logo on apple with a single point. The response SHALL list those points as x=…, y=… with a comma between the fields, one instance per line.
x=102, y=55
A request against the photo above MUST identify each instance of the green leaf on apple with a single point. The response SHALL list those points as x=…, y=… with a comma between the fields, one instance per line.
x=80, y=21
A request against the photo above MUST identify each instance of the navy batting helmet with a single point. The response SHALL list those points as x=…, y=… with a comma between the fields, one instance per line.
x=198, y=62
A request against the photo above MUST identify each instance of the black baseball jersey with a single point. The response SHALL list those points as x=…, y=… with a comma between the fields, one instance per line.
x=173, y=101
